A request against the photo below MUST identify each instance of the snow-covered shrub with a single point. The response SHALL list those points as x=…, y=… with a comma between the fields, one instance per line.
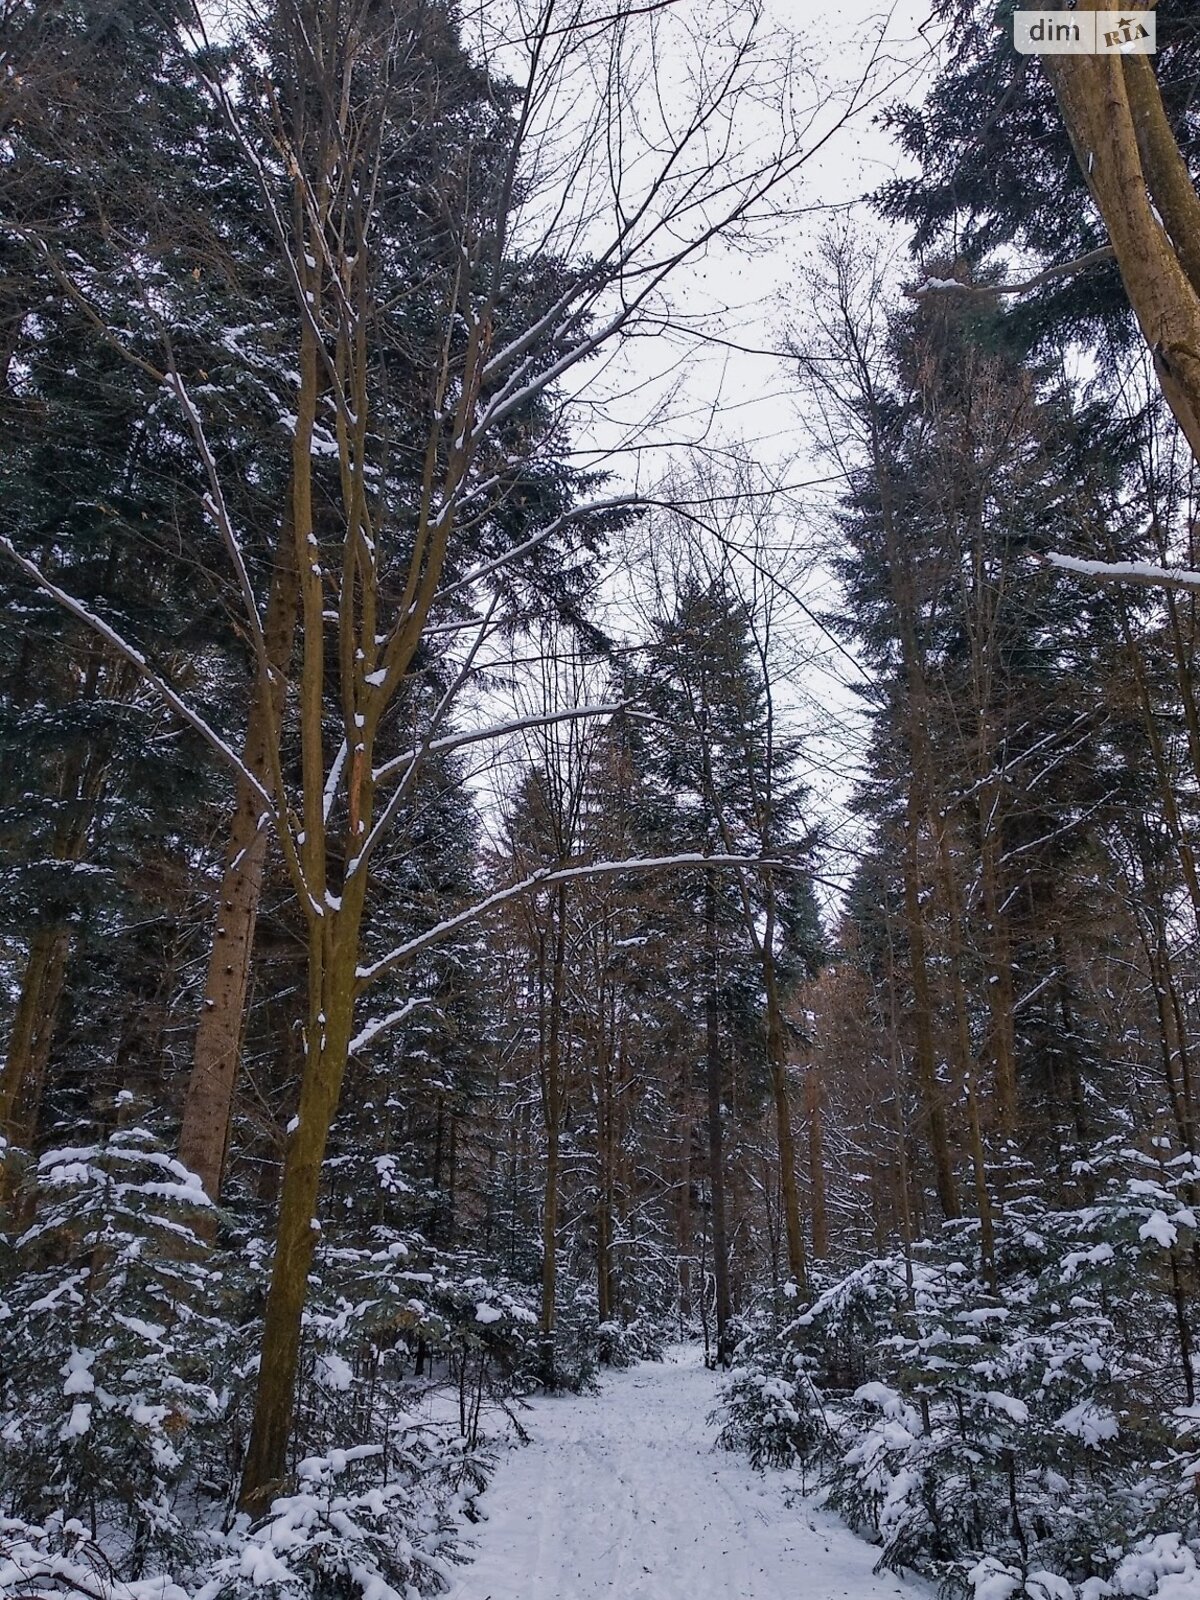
x=60, y=1558
x=395, y=1308
x=1022, y=1427
x=488, y=1337
x=129, y=1368
x=373, y=1521
x=621, y=1344
x=769, y=1406
x=110, y=1340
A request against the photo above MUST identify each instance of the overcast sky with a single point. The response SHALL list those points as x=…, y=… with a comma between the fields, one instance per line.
x=711, y=396
x=723, y=397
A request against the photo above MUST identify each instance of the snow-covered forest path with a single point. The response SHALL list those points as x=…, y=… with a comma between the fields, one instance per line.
x=621, y=1493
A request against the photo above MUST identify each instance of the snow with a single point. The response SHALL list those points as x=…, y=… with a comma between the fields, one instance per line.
x=623, y=1493
x=487, y=1313
x=78, y=1373
x=1158, y=1227
x=1007, y=1405
x=546, y=875
x=1091, y=1423
x=78, y=1423
x=334, y=1371
x=1136, y=571
x=1161, y=1566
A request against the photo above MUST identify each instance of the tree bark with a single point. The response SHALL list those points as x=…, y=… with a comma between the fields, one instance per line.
x=212, y=1083
x=816, y=1162
x=1096, y=97
x=333, y=959
x=925, y=1057
x=552, y=1111
x=716, y=1150
x=33, y=1029
x=605, y=1187
x=777, y=1056
x=683, y=1207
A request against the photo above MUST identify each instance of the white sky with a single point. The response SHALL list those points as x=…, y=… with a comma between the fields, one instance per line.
x=714, y=398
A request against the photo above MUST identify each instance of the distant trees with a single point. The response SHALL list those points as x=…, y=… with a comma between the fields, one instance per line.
x=994, y=773
x=351, y=319
x=719, y=778
x=408, y=974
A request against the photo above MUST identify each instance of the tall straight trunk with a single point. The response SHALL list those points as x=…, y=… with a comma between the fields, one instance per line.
x=1131, y=162
x=333, y=930
x=966, y=1058
x=777, y=1057
x=1001, y=996
x=816, y=1162
x=905, y=600
x=789, y=1193
x=683, y=1202
x=925, y=1057
x=1167, y=790
x=212, y=1083
x=604, y=1308
x=622, y=1175
x=81, y=785
x=552, y=1111
x=1074, y=1085
x=601, y=1047
x=1171, y=1044
x=716, y=1151
x=333, y=959
x=604, y=1194
x=42, y=986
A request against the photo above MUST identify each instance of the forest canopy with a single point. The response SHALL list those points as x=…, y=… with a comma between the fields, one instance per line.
x=481, y=906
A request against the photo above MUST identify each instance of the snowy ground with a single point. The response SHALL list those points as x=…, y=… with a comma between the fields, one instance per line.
x=622, y=1494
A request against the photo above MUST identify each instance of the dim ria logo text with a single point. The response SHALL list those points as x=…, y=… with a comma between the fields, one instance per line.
x=1084, y=33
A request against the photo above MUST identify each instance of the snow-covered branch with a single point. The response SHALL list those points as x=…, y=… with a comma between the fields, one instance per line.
x=497, y=730
x=1064, y=269
x=554, y=875
x=136, y=659
x=372, y=1030
x=1144, y=573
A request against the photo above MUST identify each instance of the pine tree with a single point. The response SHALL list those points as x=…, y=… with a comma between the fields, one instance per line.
x=714, y=779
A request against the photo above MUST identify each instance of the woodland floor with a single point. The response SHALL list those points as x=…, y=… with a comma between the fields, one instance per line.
x=622, y=1493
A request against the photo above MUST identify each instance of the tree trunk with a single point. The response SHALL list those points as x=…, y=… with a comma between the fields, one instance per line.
x=333, y=955
x=1113, y=113
x=32, y=1031
x=925, y=1056
x=604, y=1191
x=552, y=1110
x=716, y=1153
x=81, y=784
x=683, y=1207
x=777, y=1056
x=816, y=1162
x=212, y=1083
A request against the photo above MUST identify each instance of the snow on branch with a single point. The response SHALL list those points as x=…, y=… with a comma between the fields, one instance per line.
x=498, y=730
x=1138, y=572
x=1064, y=269
x=621, y=502
x=552, y=875
x=368, y=1034
x=411, y=759
x=137, y=660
